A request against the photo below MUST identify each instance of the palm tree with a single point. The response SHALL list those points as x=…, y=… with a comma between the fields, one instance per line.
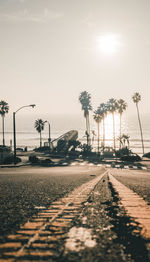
x=125, y=138
x=97, y=117
x=122, y=105
x=102, y=111
x=39, y=126
x=85, y=100
x=112, y=107
x=136, y=99
x=4, y=108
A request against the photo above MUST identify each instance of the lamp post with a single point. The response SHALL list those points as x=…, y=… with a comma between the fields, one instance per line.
x=14, y=128
x=49, y=127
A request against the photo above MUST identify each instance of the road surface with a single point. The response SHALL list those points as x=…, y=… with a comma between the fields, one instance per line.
x=90, y=224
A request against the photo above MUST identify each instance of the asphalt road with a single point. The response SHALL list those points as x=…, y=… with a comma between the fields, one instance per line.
x=136, y=180
x=24, y=190
x=101, y=222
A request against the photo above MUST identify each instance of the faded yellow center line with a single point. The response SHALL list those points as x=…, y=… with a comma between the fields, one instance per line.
x=36, y=238
x=134, y=205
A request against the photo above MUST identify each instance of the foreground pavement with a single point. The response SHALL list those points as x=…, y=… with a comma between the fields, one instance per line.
x=76, y=213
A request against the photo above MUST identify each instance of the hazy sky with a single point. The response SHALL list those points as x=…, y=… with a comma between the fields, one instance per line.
x=50, y=51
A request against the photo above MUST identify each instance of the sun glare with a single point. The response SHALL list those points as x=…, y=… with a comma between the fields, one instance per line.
x=109, y=128
x=108, y=44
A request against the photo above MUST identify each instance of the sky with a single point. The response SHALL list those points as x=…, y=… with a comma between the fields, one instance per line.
x=52, y=50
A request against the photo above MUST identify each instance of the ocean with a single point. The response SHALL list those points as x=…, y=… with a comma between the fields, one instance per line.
x=26, y=135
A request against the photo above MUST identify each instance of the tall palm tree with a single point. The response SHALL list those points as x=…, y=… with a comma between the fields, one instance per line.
x=85, y=100
x=102, y=111
x=4, y=108
x=97, y=117
x=112, y=107
x=39, y=126
x=122, y=105
x=136, y=99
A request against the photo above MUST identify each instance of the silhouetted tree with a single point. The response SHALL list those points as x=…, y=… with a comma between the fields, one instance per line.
x=4, y=108
x=102, y=111
x=112, y=107
x=136, y=99
x=97, y=117
x=122, y=105
x=39, y=126
x=124, y=139
x=85, y=100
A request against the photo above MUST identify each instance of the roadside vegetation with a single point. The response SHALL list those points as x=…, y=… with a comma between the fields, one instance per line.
x=73, y=147
x=111, y=107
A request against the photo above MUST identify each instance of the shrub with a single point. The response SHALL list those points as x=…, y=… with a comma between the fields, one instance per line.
x=123, y=152
x=131, y=158
x=33, y=159
x=10, y=160
x=5, y=149
x=42, y=149
x=74, y=144
x=86, y=149
x=46, y=161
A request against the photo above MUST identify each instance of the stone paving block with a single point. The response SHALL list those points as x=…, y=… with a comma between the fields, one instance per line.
x=27, y=232
x=42, y=238
x=16, y=254
x=44, y=232
x=18, y=237
x=31, y=225
x=45, y=215
x=36, y=219
x=10, y=245
x=60, y=224
x=43, y=254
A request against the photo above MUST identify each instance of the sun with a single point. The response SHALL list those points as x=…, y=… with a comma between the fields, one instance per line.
x=108, y=44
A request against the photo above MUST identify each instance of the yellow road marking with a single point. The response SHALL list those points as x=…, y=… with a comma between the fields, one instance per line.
x=134, y=205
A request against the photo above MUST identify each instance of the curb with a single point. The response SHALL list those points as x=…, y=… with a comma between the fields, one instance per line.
x=13, y=166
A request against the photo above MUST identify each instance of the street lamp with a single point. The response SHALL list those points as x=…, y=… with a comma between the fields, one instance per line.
x=49, y=139
x=14, y=128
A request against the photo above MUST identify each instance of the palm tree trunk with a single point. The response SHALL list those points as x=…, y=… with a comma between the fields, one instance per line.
x=3, y=130
x=98, y=137
x=140, y=127
x=89, y=142
x=86, y=114
x=114, y=139
x=104, y=132
x=86, y=118
x=120, y=129
x=40, y=139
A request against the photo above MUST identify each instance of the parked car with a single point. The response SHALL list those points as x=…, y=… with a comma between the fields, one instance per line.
x=108, y=152
x=20, y=149
x=131, y=158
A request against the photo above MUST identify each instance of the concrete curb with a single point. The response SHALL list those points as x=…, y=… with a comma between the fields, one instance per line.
x=13, y=166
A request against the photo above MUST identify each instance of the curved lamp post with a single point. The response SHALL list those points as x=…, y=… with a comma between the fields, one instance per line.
x=14, y=128
x=49, y=138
